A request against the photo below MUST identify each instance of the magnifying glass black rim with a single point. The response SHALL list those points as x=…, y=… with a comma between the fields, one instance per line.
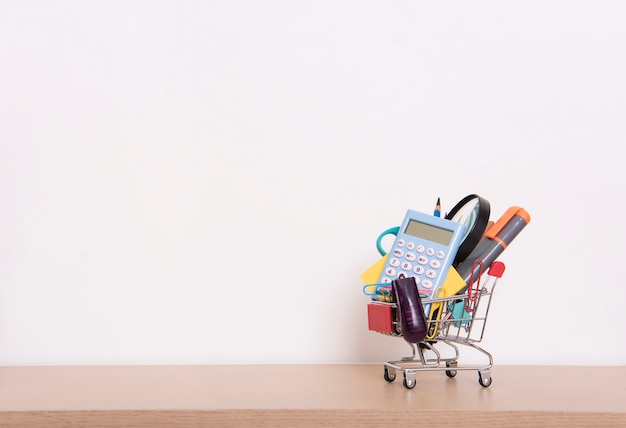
x=477, y=229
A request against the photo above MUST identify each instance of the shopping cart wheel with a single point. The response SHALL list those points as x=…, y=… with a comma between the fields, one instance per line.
x=484, y=379
x=409, y=382
x=390, y=375
x=450, y=373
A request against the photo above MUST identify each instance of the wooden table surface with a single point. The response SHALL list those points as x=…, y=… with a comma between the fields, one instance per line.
x=307, y=395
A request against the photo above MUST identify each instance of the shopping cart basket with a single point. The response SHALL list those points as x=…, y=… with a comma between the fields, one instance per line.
x=452, y=321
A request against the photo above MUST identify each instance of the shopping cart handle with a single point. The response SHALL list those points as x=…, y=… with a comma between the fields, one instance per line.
x=496, y=269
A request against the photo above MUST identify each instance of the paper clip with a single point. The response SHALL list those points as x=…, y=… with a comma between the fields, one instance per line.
x=380, y=292
x=370, y=289
x=472, y=292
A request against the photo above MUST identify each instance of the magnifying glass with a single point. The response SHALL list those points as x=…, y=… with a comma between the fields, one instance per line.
x=473, y=211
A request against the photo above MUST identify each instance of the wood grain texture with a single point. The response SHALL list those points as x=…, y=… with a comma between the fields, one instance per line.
x=306, y=419
x=307, y=396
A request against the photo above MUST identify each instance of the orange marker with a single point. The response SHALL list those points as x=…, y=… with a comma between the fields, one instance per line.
x=497, y=239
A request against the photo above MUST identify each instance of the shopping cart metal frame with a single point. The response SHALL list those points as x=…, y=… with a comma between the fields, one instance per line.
x=454, y=321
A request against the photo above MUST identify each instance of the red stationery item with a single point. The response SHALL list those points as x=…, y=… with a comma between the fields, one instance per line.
x=379, y=317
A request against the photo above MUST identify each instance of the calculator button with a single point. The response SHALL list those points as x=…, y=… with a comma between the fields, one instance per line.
x=431, y=274
x=400, y=242
x=410, y=246
x=441, y=254
x=386, y=280
x=390, y=271
x=407, y=266
x=398, y=252
x=435, y=264
x=430, y=251
x=394, y=262
x=417, y=280
x=410, y=257
x=418, y=270
x=420, y=248
x=422, y=260
x=427, y=283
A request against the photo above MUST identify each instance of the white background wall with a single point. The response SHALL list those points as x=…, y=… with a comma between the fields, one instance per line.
x=203, y=182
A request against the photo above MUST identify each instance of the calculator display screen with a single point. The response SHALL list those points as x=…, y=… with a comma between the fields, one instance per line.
x=429, y=232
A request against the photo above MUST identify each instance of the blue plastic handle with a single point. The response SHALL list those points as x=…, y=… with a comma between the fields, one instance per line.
x=379, y=246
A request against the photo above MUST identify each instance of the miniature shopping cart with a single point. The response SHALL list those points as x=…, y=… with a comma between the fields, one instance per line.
x=452, y=322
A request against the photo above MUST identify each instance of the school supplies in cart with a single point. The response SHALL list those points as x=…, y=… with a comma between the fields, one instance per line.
x=455, y=311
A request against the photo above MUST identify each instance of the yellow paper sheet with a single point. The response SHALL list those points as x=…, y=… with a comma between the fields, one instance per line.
x=452, y=285
x=371, y=275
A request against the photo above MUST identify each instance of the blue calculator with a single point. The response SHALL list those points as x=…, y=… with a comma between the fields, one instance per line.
x=424, y=248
